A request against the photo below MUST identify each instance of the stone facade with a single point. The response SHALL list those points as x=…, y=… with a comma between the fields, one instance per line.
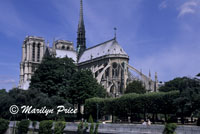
x=32, y=53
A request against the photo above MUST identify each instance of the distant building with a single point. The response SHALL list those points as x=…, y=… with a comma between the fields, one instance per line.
x=108, y=61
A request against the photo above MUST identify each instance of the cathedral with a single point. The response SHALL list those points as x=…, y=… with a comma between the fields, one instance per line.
x=108, y=61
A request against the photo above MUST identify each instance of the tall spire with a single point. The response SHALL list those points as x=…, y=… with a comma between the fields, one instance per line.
x=81, y=21
x=81, y=41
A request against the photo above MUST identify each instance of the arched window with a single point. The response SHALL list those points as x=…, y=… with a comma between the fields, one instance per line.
x=38, y=52
x=33, y=52
x=68, y=48
x=63, y=47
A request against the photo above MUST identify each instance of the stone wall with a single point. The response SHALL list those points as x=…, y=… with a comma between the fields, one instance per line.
x=71, y=128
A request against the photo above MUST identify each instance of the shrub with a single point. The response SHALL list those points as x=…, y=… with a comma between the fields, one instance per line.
x=86, y=128
x=170, y=128
x=3, y=125
x=96, y=128
x=59, y=127
x=90, y=120
x=92, y=128
x=23, y=126
x=91, y=125
x=45, y=127
x=80, y=128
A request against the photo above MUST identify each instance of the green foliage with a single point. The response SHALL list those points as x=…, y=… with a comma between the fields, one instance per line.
x=92, y=128
x=90, y=120
x=84, y=86
x=80, y=128
x=135, y=87
x=59, y=127
x=162, y=103
x=91, y=107
x=23, y=126
x=86, y=125
x=198, y=75
x=45, y=127
x=56, y=76
x=180, y=84
x=3, y=125
x=53, y=76
x=5, y=103
x=96, y=128
x=170, y=128
x=189, y=90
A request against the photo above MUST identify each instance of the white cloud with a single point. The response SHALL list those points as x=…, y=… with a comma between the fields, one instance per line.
x=8, y=81
x=177, y=61
x=188, y=7
x=163, y=4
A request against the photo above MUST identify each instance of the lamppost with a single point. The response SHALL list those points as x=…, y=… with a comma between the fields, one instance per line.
x=97, y=112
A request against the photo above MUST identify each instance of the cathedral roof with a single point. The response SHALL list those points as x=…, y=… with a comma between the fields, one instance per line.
x=65, y=53
x=107, y=48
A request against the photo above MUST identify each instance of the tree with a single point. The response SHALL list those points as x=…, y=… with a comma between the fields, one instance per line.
x=56, y=77
x=135, y=87
x=188, y=89
x=5, y=102
x=198, y=75
x=84, y=86
x=53, y=76
x=171, y=85
x=179, y=84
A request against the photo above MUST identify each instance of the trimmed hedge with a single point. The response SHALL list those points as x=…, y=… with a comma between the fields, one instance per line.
x=132, y=104
x=23, y=126
x=3, y=125
x=59, y=127
x=46, y=127
x=170, y=128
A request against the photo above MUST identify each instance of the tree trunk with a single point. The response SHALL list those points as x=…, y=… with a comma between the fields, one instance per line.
x=182, y=116
x=153, y=120
x=165, y=117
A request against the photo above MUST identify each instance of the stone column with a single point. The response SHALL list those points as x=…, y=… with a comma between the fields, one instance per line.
x=31, y=51
x=41, y=52
x=110, y=72
x=29, y=70
x=21, y=69
x=36, y=49
x=125, y=74
x=28, y=51
x=23, y=52
x=25, y=72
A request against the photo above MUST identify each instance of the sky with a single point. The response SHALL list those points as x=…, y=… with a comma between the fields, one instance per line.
x=162, y=36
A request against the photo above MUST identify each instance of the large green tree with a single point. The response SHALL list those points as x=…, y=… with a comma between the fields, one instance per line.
x=60, y=77
x=189, y=89
x=135, y=87
x=180, y=84
x=84, y=86
x=53, y=76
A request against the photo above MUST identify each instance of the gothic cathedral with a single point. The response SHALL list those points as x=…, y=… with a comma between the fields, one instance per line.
x=108, y=61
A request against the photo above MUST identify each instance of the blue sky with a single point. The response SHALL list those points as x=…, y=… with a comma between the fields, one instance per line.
x=160, y=35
